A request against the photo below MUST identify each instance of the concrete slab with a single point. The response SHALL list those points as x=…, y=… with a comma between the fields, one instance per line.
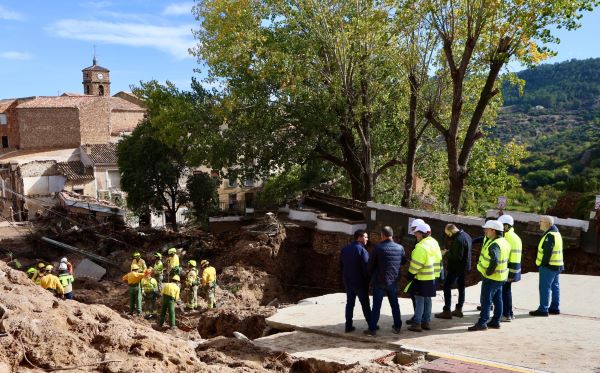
x=89, y=269
x=565, y=343
x=326, y=348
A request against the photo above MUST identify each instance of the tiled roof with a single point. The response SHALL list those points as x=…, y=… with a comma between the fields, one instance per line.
x=101, y=153
x=119, y=104
x=58, y=101
x=4, y=104
x=95, y=68
x=74, y=171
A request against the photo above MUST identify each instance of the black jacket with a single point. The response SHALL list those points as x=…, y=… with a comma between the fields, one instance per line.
x=459, y=255
x=384, y=263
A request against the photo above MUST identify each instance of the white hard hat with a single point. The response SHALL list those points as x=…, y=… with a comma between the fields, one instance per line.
x=506, y=219
x=423, y=228
x=416, y=222
x=494, y=224
x=64, y=260
x=62, y=266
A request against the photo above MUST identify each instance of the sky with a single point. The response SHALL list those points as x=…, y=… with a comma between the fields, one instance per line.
x=45, y=44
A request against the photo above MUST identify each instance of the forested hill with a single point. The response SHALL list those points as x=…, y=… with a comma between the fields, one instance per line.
x=558, y=118
x=571, y=85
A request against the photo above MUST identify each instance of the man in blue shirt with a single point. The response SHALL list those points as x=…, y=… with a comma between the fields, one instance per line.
x=384, y=267
x=353, y=262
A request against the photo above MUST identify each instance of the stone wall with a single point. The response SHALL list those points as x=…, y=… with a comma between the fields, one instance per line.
x=95, y=122
x=48, y=127
x=124, y=121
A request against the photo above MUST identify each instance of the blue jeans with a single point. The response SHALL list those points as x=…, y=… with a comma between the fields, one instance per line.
x=460, y=285
x=549, y=283
x=422, y=310
x=378, y=293
x=491, y=291
x=507, y=299
x=363, y=298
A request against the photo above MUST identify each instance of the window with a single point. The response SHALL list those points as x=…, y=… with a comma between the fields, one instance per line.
x=78, y=190
x=3, y=120
x=5, y=141
x=100, y=90
x=248, y=183
x=231, y=183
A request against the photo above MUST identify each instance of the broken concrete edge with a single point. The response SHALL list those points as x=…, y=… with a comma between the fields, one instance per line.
x=429, y=355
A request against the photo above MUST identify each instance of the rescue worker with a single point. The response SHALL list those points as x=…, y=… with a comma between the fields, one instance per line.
x=191, y=283
x=170, y=295
x=137, y=260
x=37, y=277
x=514, y=266
x=133, y=279
x=69, y=265
x=157, y=270
x=173, y=263
x=423, y=272
x=51, y=282
x=31, y=272
x=493, y=266
x=150, y=294
x=550, y=260
x=66, y=280
x=209, y=283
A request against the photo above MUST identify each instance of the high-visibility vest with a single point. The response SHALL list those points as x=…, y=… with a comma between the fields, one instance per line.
x=501, y=271
x=516, y=250
x=149, y=285
x=556, y=258
x=422, y=261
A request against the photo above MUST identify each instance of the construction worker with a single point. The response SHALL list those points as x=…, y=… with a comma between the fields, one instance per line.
x=173, y=263
x=493, y=266
x=149, y=294
x=69, y=265
x=51, y=282
x=157, y=270
x=31, y=272
x=514, y=265
x=550, y=260
x=170, y=295
x=191, y=283
x=66, y=280
x=209, y=283
x=423, y=272
x=137, y=260
x=133, y=279
x=37, y=277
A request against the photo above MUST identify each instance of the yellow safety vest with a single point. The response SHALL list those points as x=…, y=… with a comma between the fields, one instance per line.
x=171, y=290
x=422, y=261
x=516, y=250
x=556, y=259
x=149, y=285
x=501, y=271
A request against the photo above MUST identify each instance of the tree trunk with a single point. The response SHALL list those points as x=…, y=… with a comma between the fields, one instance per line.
x=412, y=143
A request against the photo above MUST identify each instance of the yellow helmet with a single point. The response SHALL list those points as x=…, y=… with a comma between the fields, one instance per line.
x=204, y=263
x=41, y=265
x=176, y=278
x=135, y=267
x=136, y=254
x=49, y=267
x=172, y=251
x=158, y=255
x=31, y=270
x=192, y=263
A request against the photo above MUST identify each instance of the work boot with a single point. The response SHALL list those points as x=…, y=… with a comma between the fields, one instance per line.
x=350, y=329
x=370, y=333
x=457, y=312
x=425, y=326
x=506, y=319
x=409, y=321
x=395, y=330
x=477, y=327
x=415, y=328
x=538, y=313
x=554, y=312
x=493, y=325
x=446, y=314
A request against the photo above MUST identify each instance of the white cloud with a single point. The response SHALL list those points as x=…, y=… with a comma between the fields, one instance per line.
x=9, y=14
x=13, y=55
x=178, y=9
x=174, y=40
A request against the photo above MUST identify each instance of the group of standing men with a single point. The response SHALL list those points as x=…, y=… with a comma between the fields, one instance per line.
x=499, y=264
x=61, y=285
x=148, y=283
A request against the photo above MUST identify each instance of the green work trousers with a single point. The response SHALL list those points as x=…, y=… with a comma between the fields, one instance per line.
x=135, y=299
x=150, y=303
x=192, y=297
x=168, y=304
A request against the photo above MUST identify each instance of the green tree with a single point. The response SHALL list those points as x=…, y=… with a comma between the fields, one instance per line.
x=202, y=190
x=478, y=38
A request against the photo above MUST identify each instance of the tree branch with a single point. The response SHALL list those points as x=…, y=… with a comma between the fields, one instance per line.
x=391, y=163
x=436, y=123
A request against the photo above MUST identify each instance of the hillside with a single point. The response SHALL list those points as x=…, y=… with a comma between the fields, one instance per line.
x=558, y=117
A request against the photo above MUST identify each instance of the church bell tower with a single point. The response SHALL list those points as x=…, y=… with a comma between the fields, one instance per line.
x=96, y=80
